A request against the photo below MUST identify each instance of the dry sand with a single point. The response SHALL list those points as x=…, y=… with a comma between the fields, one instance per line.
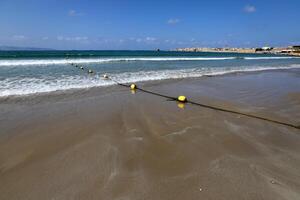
x=106, y=143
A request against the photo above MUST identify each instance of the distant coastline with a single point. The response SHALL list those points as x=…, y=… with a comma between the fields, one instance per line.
x=13, y=48
x=291, y=50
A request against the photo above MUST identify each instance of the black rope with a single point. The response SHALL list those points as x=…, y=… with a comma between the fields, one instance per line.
x=215, y=108
x=157, y=94
x=245, y=114
x=205, y=105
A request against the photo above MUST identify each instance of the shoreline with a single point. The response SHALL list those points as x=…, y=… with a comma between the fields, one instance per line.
x=75, y=90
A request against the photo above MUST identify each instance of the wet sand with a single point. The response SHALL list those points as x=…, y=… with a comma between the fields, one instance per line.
x=107, y=143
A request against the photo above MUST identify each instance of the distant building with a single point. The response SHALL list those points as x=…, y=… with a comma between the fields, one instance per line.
x=296, y=48
x=267, y=48
x=264, y=49
x=286, y=51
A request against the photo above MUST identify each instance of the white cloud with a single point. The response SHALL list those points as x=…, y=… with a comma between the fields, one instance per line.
x=78, y=38
x=171, y=41
x=146, y=39
x=81, y=39
x=136, y=39
x=173, y=21
x=74, y=13
x=19, y=37
x=249, y=9
x=151, y=39
x=60, y=38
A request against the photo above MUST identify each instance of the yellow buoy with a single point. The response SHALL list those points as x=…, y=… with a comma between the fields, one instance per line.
x=182, y=99
x=133, y=86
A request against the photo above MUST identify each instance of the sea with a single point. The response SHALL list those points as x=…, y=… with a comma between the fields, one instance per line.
x=37, y=72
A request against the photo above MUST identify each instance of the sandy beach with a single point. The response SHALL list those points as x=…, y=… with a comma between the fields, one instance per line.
x=110, y=143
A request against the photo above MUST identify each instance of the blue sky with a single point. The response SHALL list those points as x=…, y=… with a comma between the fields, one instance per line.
x=139, y=24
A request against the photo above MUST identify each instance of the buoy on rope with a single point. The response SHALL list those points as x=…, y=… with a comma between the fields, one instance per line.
x=182, y=99
x=105, y=76
x=133, y=86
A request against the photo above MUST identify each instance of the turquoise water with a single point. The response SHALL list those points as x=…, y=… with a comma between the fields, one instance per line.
x=31, y=72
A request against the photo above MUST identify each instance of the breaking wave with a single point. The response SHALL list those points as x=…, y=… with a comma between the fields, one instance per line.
x=27, y=86
x=25, y=62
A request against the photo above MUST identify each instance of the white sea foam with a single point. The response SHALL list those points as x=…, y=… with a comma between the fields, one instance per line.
x=101, y=60
x=270, y=58
x=25, y=62
x=26, y=86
